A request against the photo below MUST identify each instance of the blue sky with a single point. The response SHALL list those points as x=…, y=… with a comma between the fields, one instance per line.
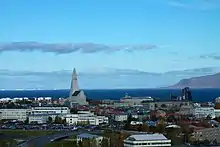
x=174, y=34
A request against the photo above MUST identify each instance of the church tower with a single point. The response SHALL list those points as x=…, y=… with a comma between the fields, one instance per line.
x=76, y=95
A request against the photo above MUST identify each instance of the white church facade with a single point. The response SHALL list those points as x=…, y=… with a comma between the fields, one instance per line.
x=76, y=96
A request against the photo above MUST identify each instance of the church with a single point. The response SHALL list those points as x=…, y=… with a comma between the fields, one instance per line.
x=76, y=96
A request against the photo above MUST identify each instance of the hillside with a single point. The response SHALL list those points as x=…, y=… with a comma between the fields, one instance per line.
x=209, y=81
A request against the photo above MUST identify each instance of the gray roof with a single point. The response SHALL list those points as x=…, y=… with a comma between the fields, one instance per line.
x=76, y=93
x=140, y=137
x=87, y=136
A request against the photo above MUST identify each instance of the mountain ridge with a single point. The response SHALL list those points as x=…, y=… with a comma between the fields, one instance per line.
x=206, y=81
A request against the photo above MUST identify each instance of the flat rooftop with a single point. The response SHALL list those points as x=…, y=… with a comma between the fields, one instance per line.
x=142, y=137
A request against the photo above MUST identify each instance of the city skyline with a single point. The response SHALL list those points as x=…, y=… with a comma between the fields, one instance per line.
x=154, y=36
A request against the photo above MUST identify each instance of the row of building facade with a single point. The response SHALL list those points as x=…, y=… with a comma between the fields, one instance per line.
x=42, y=114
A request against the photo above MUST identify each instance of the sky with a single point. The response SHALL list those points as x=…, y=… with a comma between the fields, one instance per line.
x=154, y=36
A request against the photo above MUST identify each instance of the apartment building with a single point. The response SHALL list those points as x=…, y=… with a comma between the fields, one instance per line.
x=50, y=110
x=203, y=112
x=15, y=114
x=85, y=118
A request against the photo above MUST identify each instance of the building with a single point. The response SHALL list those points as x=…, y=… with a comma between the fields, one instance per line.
x=131, y=101
x=50, y=110
x=121, y=117
x=217, y=100
x=41, y=118
x=147, y=140
x=217, y=112
x=148, y=105
x=211, y=134
x=85, y=117
x=203, y=112
x=186, y=94
x=186, y=110
x=95, y=140
x=76, y=96
x=15, y=114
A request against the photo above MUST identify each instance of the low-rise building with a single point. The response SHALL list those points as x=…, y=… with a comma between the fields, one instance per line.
x=147, y=140
x=186, y=110
x=121, y=117
x=42, y=118
x=203, y=112
x=85, y=118
x=211, y=134
x=50, y=110
x=94, y=139
x=15, y=114
x=217, y=112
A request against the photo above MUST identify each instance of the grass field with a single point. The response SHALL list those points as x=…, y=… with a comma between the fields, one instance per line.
x=25, y=133
x=7, y=142
x=62, y=143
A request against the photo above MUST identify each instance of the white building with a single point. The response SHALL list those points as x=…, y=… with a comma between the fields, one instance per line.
x=217, y=100
x=217, y=112
x=76, y=96
x=42, y=118
x=15, y=114
x=85, y=118
x=50, y=110
x=121, y=117
x=147, y=140
x=203, y=112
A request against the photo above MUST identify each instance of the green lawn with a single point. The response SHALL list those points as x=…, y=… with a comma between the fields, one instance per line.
x=27, y=133
x=7, y=142
x=62, y=143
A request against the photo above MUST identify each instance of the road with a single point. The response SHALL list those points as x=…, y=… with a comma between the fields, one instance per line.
x=43, y=140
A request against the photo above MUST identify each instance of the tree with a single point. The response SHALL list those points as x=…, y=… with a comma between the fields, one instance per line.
x=160, y=128
x=209, y=117
x=64, y=121
x=80, y=144
x=26, y=121
x=58, y=120
x=145, y=128
x=215, y=142
x=163, y=106
x=105, y=142
x=206, y=142
x=49, y=120
x=73, y=111
x=129, y=119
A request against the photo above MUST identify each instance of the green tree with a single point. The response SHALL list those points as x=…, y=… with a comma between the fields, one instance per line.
x=73, y=111
x=105, y=142
x=80, y=144
x=26, y=121
x=58, y=120
x=160, y=128
x=144, y=128
x=163, y=106
x=49, y=120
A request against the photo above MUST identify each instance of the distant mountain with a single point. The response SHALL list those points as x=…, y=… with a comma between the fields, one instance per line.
x=208, y=81
x=98, y=78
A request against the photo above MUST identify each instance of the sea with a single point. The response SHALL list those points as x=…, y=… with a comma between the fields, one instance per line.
x=199, y=95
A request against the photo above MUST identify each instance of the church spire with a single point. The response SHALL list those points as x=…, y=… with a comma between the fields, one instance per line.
x=74, y=83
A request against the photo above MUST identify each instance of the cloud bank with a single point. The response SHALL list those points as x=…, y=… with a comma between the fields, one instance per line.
x=65, y=48
x=210, y=56
x=106, y=79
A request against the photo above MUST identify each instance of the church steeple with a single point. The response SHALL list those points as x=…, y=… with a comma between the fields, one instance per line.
x=76, y=95
x=74, y=83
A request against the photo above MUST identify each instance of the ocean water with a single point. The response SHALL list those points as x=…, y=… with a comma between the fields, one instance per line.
x=199, y=95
